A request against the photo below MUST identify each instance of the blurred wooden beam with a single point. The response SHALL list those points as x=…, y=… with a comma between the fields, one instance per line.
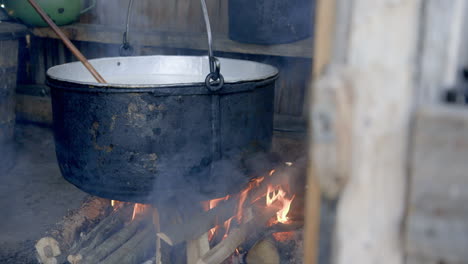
x=196, y=41
x=381, y=52
x=323, y=36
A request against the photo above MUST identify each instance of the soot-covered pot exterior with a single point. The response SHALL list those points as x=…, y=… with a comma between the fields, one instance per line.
x=153, y=144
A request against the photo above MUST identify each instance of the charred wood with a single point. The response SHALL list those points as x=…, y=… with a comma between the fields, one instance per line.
x=51, y=248
x=257, y=219
x=108, y=246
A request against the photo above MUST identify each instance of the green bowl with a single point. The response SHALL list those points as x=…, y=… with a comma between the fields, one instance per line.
x=62, y=12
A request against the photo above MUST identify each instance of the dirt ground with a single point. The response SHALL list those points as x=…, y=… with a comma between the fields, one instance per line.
x=33, y=195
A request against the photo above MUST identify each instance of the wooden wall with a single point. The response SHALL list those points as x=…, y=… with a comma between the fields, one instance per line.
x=163, y=15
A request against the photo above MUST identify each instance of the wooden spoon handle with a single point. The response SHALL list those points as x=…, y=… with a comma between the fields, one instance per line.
x=67, y=42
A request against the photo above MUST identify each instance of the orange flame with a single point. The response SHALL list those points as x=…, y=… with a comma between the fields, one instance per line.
x=227, y=225
x=139, y=209
x=116, y=204
x=278, y=194
x=212, y=233
x=243, y=196
x=282, y=215
x=274, y=194
x=208, y=205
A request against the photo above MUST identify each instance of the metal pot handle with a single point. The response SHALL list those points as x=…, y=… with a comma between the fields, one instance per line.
x=214, y=80
x=126, y=49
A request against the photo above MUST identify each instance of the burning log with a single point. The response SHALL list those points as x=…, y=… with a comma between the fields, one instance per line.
x=237, y=236
x=49, y=249
x=199, y=224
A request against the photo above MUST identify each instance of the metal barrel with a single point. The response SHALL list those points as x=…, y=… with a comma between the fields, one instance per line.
x=9, y=34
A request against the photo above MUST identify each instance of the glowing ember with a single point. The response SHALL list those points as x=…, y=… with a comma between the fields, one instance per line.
x=213, y=203
x=212, y=233
x=272, y=172
x=139, y=209
x=116, y=204
x=289, y=164
x=283, y=236
x=243, y=196
x=227, y=225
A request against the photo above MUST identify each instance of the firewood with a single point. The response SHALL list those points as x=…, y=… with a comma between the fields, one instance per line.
x=109, y=245
x=136, y=250
x=107, y=227
x=198, y=224
x=202, y=222
x=66, y=232
x=264, y=252
x=238, y=235
x=197, y=248
x=47, y=250
x=157, y=229
x=266, y=231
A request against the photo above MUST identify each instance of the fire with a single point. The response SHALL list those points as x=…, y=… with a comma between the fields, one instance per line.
x=278, y=194
x=208, y=205
x=212, y=233
x=139, y=209
x=243, y=196
x=213, y=203
x=116, y=204
x=282, y=215
x=227, y=225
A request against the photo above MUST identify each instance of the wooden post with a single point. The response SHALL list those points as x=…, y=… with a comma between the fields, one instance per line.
x=442, y=25
x=381, y=56
x=324, y=29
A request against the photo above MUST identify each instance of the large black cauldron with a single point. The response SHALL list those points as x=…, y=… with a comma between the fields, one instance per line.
x=156, y=131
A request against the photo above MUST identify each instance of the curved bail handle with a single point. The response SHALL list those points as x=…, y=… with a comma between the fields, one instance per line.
x=93, y=4
x=126, y=49
x=214, y=80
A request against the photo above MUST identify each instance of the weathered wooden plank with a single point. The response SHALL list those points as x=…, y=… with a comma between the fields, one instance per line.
x=382, y=46
x=160, y=15
x=324, y=28
x=442, y=29
x=419, y=260
x=35, y=109
x=438, y=208
x=112, y=34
